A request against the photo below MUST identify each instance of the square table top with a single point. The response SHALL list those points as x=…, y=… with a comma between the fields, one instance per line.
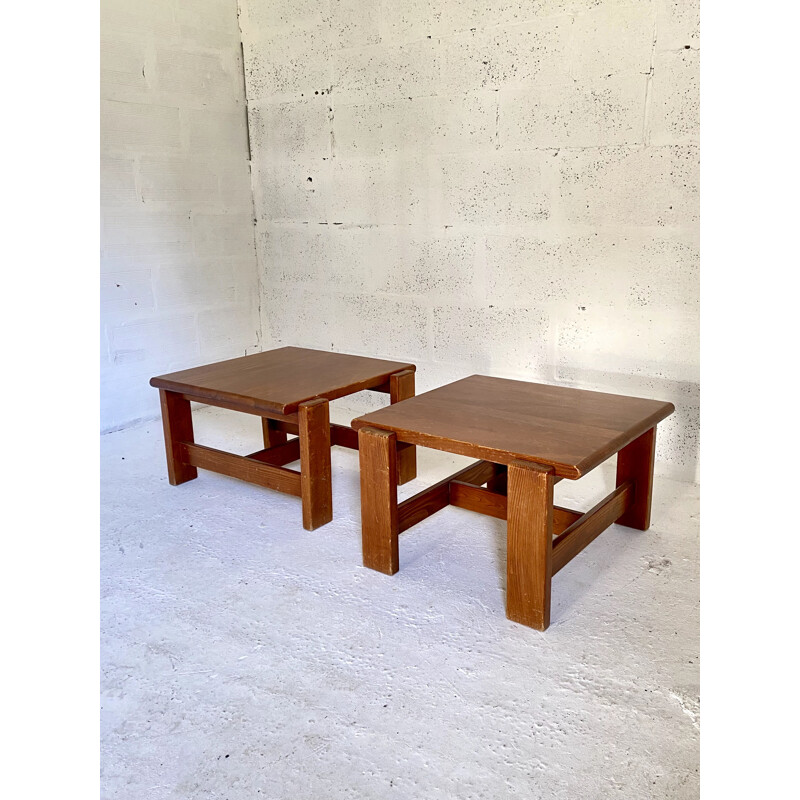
x=277, y=381
x=501, y=420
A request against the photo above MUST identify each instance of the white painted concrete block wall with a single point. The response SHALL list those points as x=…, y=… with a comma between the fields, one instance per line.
x=179, y=274
x=491, y=186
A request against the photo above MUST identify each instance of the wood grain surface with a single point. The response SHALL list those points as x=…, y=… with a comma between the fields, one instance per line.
x=279, y=380
x=501, y=420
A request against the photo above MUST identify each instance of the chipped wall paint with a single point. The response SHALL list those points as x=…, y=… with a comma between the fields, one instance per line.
x=484, y=186
x=179, y=281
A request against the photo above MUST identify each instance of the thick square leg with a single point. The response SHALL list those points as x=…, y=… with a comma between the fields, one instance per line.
x=635, y=463
x=377, y=452
x=530, y=543
x=176, y=416
x=272, y=436
x=401, y=387
x=315, y=463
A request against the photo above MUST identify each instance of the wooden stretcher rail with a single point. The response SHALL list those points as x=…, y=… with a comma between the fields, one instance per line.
x=344, y=437
x=473, y=498
x=279, y=455
x=463, y=489
x=500, y=483
x=248, y=469
x=340, y=434
x=437, y=497
x=589, y=526
x=495, y=504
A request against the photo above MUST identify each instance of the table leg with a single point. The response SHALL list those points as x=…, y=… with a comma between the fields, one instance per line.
x=176, y=416
x=377, y=452
x=499, y=480
x=401, y=387
x=635, y=462
x=272, y=436
x=530, y=543
x=315, y=463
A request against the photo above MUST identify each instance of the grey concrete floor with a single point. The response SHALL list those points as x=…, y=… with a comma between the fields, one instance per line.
x=244, y=657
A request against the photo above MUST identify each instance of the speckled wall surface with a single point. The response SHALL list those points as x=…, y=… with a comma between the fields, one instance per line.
x=489, y=186
x=178, y=268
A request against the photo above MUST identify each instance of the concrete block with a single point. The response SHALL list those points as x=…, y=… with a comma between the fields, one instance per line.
x=517, y=55
x=143, y=17
x=211, y=14
x=298, y=316
x=500, y=341
x=227, y=331
x=405, y=22
x=360, y=130
x=122, y=68
x=206, y=78
x=138, y=126
x=495, y=189
x=196, y=283
x=139, y=345
x=287, y=67
x=630, y=186
x=198, y=37
x=223, y=234
x=355, y=23
x=140, y=255
x=177, y=178
x=204, y=177
x=549, y=270
x=335, y=255
x=667, y=273
x=382, y=327
x=607, y=268
x=209, y=131
x=633, y=341
x=259, y=16
x=234, y=183
x=395, y=189
x=675, y=101
x=288, y=131
x=677, y=24
x=613, y=40
x=282, y=192
x=458, y=16
x=385, y=72
x=598, y=112
x=126, y=294
x=421, y=124
x=138, y=230
x=432, y=265
x=117, y=180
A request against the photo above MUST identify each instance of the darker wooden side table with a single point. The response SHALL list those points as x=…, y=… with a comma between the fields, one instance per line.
x=528, y=437
x=289, y=389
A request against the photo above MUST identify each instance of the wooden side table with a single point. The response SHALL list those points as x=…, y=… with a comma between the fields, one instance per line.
x=289, y=389
x=528, y=437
